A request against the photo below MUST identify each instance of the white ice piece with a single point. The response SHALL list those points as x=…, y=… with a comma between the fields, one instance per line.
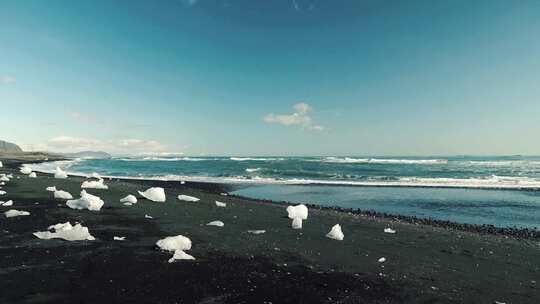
x=300, y=211
x=296, y=223
x=389, y=230
x=131, y=199
x=221, y=204
x=256, y=231
x=216, y=223
x=6, y=204
x=25, y=170
x=51, y=189
x=87, y=201
x=148, y=216
x=1, y=165
x=180, y=255
x=335, y=233
x=67, y=232
x=188, y=198
x=32, y=175
x=2, y=192
x=14, y=213
x=119, y=238
x=61, y=194
x=94, y=185
x=381, y=260
x=155, y=194
x=173, y=243
x=59, y=173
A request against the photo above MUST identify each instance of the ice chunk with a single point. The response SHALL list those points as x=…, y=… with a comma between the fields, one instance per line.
x=216, y=223
x=26, y=170
x=220, y=204
x=180, y=255
x=119, y=238
x=67, y=232
x=224, y=193
x=131, y=199
x=296, y=223
x=14, y=213
x=51, y=189
x=6, y=204
x=182, y=182
x=300, y=211
x=173, y=243
x=61, y=194
x=381, y=260
x=128, y=204
x=389, y=230
x=59, y=173
x=335, y=233
x=4, y=178
x=1, y=165
x=256, y=231
x=155, y=194
x=188, y=198
x=87, y=201
x=148, y=216
x=2, y=192
x=32, y=175
x=94, y=185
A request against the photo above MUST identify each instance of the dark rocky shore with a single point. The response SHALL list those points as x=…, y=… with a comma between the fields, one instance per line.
x=427, y=261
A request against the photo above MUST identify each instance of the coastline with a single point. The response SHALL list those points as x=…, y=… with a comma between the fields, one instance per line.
x=426, y=260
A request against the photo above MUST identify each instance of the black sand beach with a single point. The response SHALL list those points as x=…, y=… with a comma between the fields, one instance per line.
x=425, y=263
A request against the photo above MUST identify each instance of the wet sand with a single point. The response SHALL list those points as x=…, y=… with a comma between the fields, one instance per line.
x=424, y=263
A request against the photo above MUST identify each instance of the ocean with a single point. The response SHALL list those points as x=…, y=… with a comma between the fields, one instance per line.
x=503, y=191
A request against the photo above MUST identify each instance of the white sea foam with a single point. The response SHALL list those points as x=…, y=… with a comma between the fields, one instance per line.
x=350, y=160
x=251, y=170
x=257, y=159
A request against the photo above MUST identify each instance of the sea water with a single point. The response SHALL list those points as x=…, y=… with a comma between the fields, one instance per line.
x=503, y=191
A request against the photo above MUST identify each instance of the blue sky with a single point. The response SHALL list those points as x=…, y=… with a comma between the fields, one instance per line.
x=245, y=77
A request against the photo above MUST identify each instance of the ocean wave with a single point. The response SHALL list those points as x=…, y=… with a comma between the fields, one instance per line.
x=504, y=163
x=257, y=159
x=251, y=170
x=349, y=160
x=153, y=158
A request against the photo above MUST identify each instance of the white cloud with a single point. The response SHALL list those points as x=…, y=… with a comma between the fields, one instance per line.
x=299, y=118
x=7, y=79
x=122, y=146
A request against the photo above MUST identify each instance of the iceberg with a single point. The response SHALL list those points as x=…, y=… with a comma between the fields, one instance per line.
x=94, y=185
x=173, y=243
x=256, y=231
x=300, y=211
x=297, y=214
x=389, y=230
x=221, y=204
x=67, y=232
x=216, y=223
x=60, y=174
x=155, y=194
x=51, y=189
x=130, y=199
x=188, y=198
x=87, y=201
x=25, y=170
x=335, y=233
x=180, y=255
x=14, y=213
x=6, y=204
x=61, y=194
x=177, y=244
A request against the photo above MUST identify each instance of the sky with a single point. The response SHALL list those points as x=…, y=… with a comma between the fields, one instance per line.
x=247, y=77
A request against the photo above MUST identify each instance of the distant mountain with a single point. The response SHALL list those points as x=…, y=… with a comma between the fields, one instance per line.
x=7, y=147
x=88, y=154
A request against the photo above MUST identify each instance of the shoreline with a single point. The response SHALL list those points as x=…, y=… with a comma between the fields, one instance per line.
x=217, y=188
x=424, y=263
